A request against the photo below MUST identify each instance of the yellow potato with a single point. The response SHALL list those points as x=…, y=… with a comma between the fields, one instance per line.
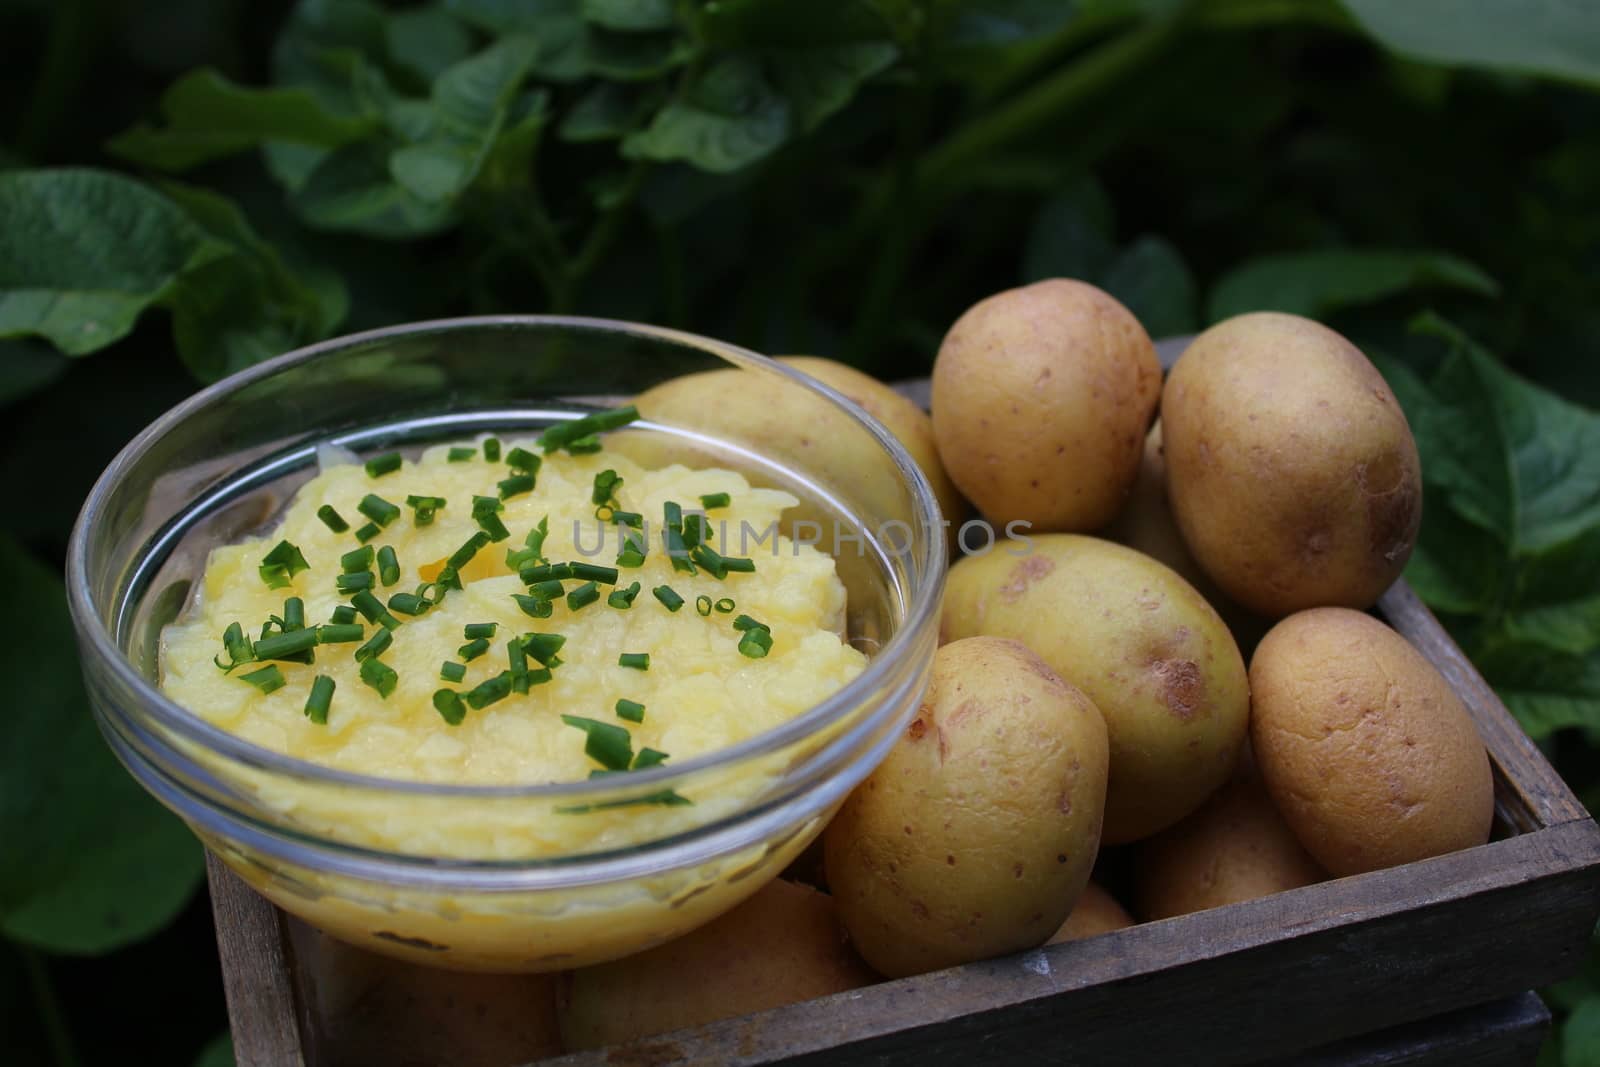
x=1236, y=847
x=977, y=834
x=1368, y=752
x=1041, y=399
x=1290, y=467
x=1096, y=912
x=1140, y=642
x=781, y=946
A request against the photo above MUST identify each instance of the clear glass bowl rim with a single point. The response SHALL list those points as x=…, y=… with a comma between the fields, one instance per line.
x=94, y=638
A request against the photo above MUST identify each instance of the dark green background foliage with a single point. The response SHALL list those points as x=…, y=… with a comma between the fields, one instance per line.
x=189, y=186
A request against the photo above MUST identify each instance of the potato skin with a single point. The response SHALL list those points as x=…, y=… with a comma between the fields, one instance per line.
x=781, y=946
x=1155, y=658
x=1096, y=912
x=1368, y=753
x=1041, y=399
x=978, y=832
x=1236, y=847
x=1290, y=466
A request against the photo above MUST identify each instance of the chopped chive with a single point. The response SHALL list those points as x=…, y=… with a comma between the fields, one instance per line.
x=479, y=629
x=387, y=463
x=583, y=596
x=702, y=605
x=566, y=434
x=516, y=657
x=357, y=559
x=667, y=596
x=341, y=633
x=711, y=560
x=696, y=529
x=368, y=532
x=672, y=513
x=725, y=606
x=715, y=500
x=521, y=459
x=515, y=485
x=408, y=604
x=630, y=710
x=332, y=519
x=541, y=676
x=237, y=646
x=756, y=643
x=490, y=523
x=649, y=757
x=373, y=610
x=481, y=504
x=627, y=518
x=266, y=679
x=606, y=743
x=542, y=572
x=451, y=671
x=639, y=661
x=547, y=590
x=517, y=558
x=378, y=509
x=491, y=449
x=353, y=583
x=739, y=564
x=284, y=645
x=320, y=699
x=745, y=622
x=536, y=536
x=424, y=508
x=449, y=706
x=631, y=556
x=677, y=551
x=595, y=572
x=543, y=647
x=281, y=564
x=379, y=675
x=462, y=556
x=490, y=690
x=623, y=598
x=665, y=797
x=605, y=486
x=376, y=645
x=473, y=649
x=585, y=446
x=342, y=615
x=536, y=607
x=388, y=566
x=460, y=454
x=294, y=614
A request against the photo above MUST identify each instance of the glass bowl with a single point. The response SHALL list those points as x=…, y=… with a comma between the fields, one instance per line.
x=448, y=875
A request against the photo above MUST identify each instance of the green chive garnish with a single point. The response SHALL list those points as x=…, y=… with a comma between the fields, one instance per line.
x=535, y=573
x=353, y=583
x=408, y=604
x=490, y=523
x=745, y=622
x=491, y=449
x=606, y=743
x=711, y=560
x=756, y=643
x=566, y=434
x=515, y=485
x=677, y=551
x=357, y=559
x=341, y=633
x=294, y=614
x=672, y=512
x=378, y=509
x=639, y=661
x=650, y=757
x=320, y=700
x=342, y=615
x=536, y=536
x=379, y=675
x=583, y=596
x=388, y=566
x=471, y=547
x=715, y=500
x=281, y=564
x=627, y=518
x=490, y=690
x=739, y=564
x=479, y=629
x=237, y=646
x=266, y=679
x=585, y=446
x=460, y=454
x=594, y=572
x=424, y=508
x=696, y=530
x=548, y=590
x=702, y=605
x=521, y=459
x=536, y=607
x=373, y=610
x=449, y=706
x=664, y=797
x=725, y=606
x=473, y=649
x=631, y=556
x=285, y=645
x=332, y=519
x=451, y=671
x=667, y=596
x=630, y=710
x=387, y=463
x=376, y=645
x=368, y=532
x=623, y=598
x=605, y=487
x=543, y=647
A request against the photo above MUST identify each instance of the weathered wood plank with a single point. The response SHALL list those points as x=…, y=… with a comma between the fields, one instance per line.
x=1507, y=1033
x=256, y=972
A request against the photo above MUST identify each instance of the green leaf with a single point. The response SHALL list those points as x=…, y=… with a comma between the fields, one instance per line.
x=509, y=166
x=426, y=40
x=1071, y=235
x=606, y=112
x=105, y=864
x=730, y=119
x=217, y=1053
x=792, y=23
x=352, y=190
x=1553, y=38
x=83, y=253
x=1580, y=1036
x=1318, y=283
x=1546, y=690
x=1150, y=277
x=570, y=49
x=209, y=117
x=983, y=24
x=629, y=14
x=819, y=81
x=27, y=367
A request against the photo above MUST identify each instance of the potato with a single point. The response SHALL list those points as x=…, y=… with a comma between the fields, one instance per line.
x=1236, y=847
x=909, y=423
x=1096, y=912
x=977, y=833
x=369, y=1009
x=1290, y=466
x=1140, y=642
x=781, y=946
x=1041, y=399
x=1369, y=754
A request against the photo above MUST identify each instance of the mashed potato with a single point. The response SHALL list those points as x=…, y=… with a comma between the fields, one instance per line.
x=700, y=692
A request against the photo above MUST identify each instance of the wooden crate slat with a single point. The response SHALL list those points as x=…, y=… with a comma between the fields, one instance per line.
x=256, y=972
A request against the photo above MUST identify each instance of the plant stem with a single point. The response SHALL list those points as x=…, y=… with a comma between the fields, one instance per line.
x=54, y=1019
x=604, y=233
